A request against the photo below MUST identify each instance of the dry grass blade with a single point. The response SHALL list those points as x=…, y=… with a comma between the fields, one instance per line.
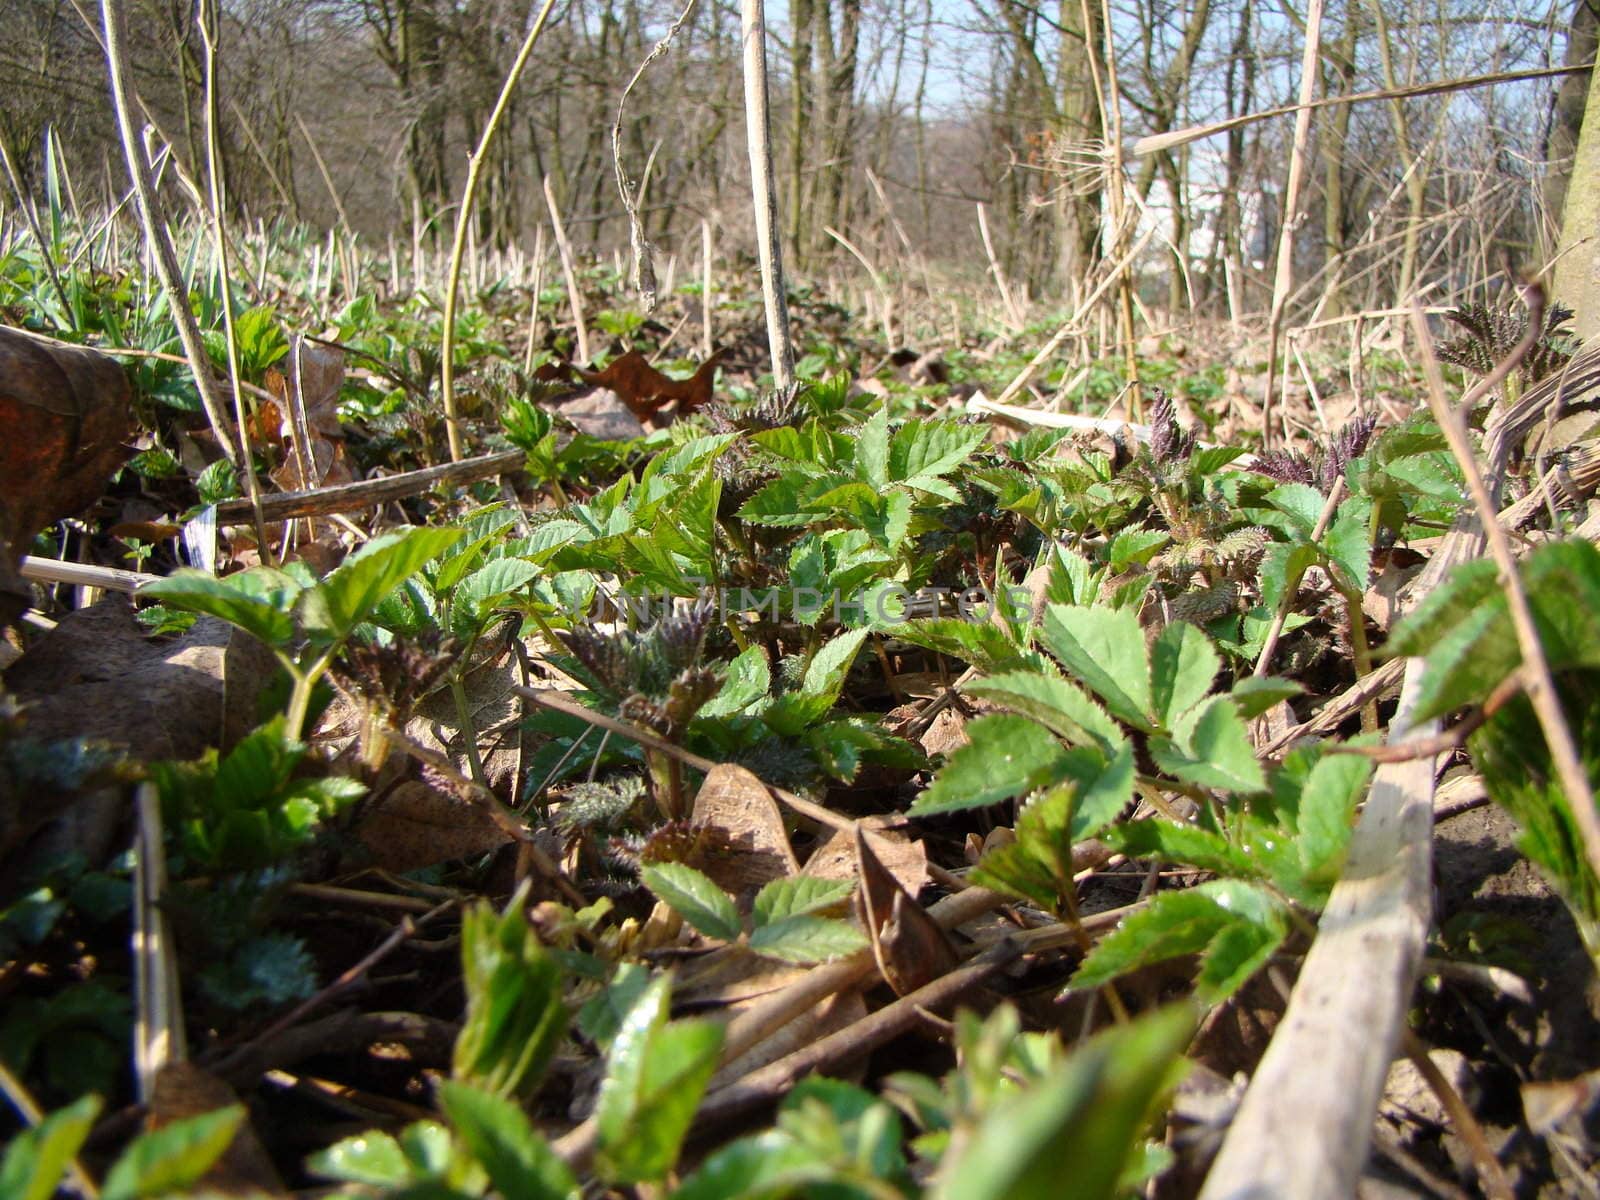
x=464, y=220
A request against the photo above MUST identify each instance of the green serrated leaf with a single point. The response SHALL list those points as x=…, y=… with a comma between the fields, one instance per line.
x=806, y=939
x=515, y=1016
x=1176, y=924
x=1007, y=756
x=173, y=1157
x=1211, y=747
x=1135, y=547
x=1511, y=753
x=1326, y=815
x=485, y=588
x=1435, y=475
x=764, y=1166
x=1301, y=503
x=655, y=1076
x=259, y=601
x=520, y=1163
x=1464, y=627
x=694, y=898
x=1282, y=567
x=1056, y=703
x=825, y=673
x=924, y=448
x=602, y=1016
x=872, y=449
x=749, y=679
x=1183, y=667
x=1018, y=870
x=1348, y=543
x=1255, y=694
x=372, y=1157
x=1187, y=845
x=978, y=642
x=1234, y=955
x=1106, y=649
x=798, y=895
x=1091, y=1112
x=353, y=590
x=1104, y=788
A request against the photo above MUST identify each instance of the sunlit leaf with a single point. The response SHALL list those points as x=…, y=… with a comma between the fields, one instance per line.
x=694, y=898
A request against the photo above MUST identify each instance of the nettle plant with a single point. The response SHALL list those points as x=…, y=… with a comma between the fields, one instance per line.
x=1463, y=630
x=1099, y=716
x=304, y=621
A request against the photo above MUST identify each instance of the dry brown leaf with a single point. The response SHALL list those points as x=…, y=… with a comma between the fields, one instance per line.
x=1383, y=601
x=906, y=861
x=311, y=388
x=947, y=733
x=645, y=390
x=66, y=412
x=418, y=826
x=98, y=675
x=734, y=801
x=1272, y=724
x=1550, y=1105
x=496, y=715
x=602, y=415
x=145, y=531
x=831, y=1015
x=910, y=947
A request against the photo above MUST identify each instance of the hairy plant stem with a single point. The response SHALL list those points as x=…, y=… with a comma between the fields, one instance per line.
x=666, y=782
x=468, y=730
x=1292, y=586
x=1360, y=652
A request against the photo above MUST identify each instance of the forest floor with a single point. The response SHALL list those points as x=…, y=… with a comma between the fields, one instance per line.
x=1106, y=809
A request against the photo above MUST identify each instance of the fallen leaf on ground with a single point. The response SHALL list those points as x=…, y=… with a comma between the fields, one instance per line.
x=646, y=391
x=67, y=416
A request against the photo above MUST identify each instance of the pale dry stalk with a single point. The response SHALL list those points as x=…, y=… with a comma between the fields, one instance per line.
x=764, y=195
x=464, y=215
x=155, y=230
x=1283, y=278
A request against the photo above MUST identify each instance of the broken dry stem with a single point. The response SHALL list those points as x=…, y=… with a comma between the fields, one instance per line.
x=1490, y=1173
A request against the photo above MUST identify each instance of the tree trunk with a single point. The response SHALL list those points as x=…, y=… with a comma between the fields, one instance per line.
x=1568, y=116
x=801, y=17
x=1577, y=274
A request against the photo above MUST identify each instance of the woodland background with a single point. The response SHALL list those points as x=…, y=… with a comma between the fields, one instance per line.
x=361, y=115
